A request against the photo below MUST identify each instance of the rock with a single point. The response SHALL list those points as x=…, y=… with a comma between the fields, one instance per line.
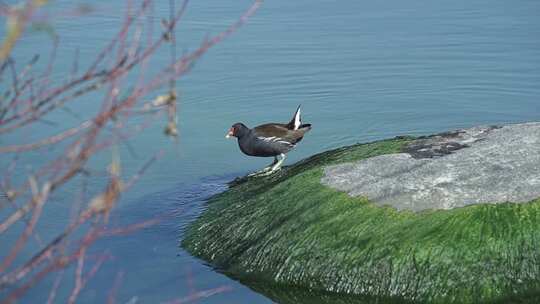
x=473, y=166
x=289, y=231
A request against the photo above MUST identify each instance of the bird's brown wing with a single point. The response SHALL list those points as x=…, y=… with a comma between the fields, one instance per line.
x=279, y=132
x=271, y=130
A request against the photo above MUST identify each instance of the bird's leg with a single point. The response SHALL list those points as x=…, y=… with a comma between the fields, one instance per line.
x=269, y=167
x=265, y=169
x=276, y=166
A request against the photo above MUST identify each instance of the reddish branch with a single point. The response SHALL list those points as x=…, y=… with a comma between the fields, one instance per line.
x=30, y=96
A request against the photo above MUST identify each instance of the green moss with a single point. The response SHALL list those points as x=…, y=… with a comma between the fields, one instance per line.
x=291, y=230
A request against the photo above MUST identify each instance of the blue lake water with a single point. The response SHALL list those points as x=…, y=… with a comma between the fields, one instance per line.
x=361, y=70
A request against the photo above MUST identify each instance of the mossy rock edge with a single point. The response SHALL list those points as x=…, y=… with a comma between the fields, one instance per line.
x=290, y=230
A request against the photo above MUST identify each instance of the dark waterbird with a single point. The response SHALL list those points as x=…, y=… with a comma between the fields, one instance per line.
x=271, y=139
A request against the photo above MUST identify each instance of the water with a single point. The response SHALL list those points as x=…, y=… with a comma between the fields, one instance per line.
x=362, y=71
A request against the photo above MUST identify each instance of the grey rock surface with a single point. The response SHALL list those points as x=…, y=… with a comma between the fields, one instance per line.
x=449, y=170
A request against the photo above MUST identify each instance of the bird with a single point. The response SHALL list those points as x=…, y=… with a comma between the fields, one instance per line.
x=270, y=140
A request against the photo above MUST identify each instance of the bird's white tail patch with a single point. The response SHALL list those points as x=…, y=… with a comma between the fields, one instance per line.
x=297, y=119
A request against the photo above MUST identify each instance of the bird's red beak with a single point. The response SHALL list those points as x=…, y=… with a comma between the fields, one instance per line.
x=230, y=133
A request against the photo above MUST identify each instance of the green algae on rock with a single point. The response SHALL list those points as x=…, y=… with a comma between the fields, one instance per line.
x=288, y=229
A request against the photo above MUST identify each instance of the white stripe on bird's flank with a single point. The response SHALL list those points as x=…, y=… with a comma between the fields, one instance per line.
x=286, y=142
x=273, y=138
x=297, y=120
x=276, y=140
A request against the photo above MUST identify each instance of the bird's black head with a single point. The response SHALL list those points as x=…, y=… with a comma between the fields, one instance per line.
x=237, y=130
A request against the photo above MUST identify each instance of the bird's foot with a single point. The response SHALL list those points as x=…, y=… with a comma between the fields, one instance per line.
x=274, y=167
x=261, y=172
x=265, y=171
x=269, y=172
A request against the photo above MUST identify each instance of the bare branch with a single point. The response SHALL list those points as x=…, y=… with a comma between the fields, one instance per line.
x=28, y=99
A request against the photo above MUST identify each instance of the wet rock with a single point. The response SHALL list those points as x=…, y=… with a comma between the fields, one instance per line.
x=303, y=241
x=449, y=170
